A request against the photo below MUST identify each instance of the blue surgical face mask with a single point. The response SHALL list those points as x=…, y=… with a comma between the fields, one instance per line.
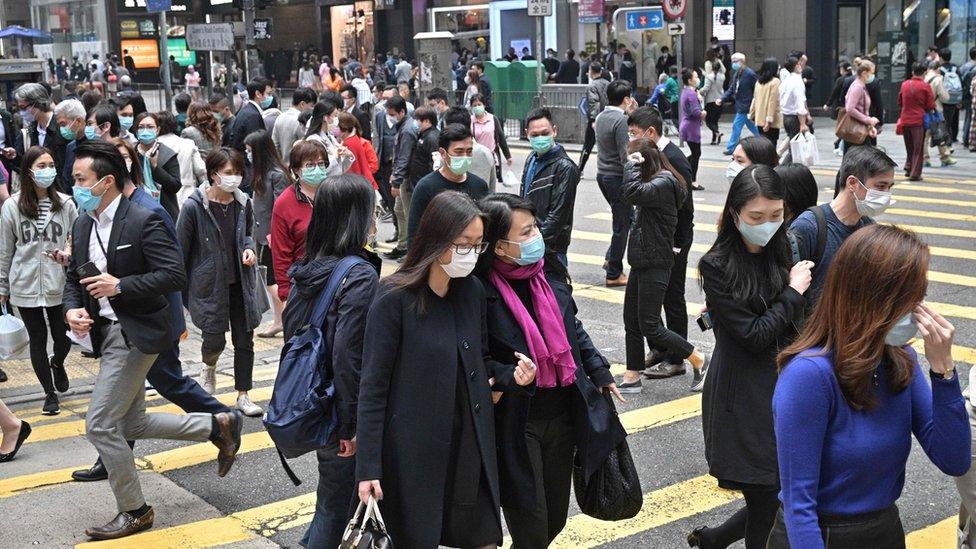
x=67, y=133
x=313, y=176
x=44, y=177
x=266, y=102
x=870, y=79
x=736, y=66
x=902, y=332
x=91, y=132
x=146, y=136
x=760, y=234
x=86, y=201
x=530, y=251
x=126, y=122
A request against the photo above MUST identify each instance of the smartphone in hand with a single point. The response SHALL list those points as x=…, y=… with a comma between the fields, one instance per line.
x=88, y=270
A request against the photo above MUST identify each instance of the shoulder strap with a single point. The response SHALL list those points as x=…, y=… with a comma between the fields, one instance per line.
x=327, y=294
x=821, y=217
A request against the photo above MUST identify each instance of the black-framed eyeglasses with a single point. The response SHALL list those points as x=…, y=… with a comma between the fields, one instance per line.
x=465, y=249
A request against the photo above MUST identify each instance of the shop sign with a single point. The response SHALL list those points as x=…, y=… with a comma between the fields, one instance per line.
x=210, y=36
x=723, y=22
x=129, y=28
x=145, y=53
x=147, y=28
x=177, y=48
x=540, y=8
x=262, y=29
x=591, y=11
x=158, y=6
x=129, y=6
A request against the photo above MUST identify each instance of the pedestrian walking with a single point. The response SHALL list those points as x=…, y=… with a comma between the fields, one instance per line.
x=657, y=190
x=851, y=385
x=966, y=74
x=793, y=101
x=740, y=92
x=712, y=90
x=482, y=159
x=934, y=79
x=159, y=164
x=202, y=128
x=952, y=81
x=15, y=432
x=193, y=172
x=349, y=96
x=490, y=132
x=249, y=118
x=136, y=269
x=754, y=295
x=692, y=114
x=596, y=101
x=836, y=99
x=403, y=146
x=216, y=234
x=341, y=223
x=410, y=395
x=765, y=110
x=534, y=312
x=915, y=98
x=287, y=131
x=36, y=112
x=857, y=102
x=35, y=243
x=192, y=78
x=612, y=138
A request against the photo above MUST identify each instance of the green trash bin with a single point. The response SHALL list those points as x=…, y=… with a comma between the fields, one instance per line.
x=498, y=73
x=523, y=89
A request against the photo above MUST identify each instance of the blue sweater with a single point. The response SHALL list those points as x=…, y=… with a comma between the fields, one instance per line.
x=834, y=460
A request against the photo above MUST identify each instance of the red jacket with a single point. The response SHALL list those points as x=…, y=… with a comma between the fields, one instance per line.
x=289, y=222
x=366, y=163
x=915, y=99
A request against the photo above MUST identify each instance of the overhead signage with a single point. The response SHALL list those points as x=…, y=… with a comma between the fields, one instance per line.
x=139, y=6
x=540, y=8
x=649, y=19
x=591, y=11
x=210, y=36
x=674, y=29
x=158, y=6
x=674, y=9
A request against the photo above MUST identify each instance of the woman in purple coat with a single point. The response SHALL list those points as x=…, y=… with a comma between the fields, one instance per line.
x=691, y=119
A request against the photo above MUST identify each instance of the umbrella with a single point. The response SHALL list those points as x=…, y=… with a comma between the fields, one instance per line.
x=23, y=32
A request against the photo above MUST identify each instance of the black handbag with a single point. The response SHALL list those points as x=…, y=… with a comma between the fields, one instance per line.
x=613, y=492
x=366, y=529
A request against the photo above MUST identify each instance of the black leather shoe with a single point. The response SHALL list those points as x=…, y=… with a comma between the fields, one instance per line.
x=25, y=431
x=122, y=525
x=654, y=358
x=228, y=441
x=51, y=405
x=664, y=371
x=95, y=473
x=694, y=538
x=3, y=375
x=395, y=254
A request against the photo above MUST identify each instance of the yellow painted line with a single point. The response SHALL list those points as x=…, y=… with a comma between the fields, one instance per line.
x=928, y=189
x=913, y=199
x=659, y=415
x=941, y=535
x=833, y=174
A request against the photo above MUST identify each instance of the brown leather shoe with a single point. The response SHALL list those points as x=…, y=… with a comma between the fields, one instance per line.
x=228, y=440
x=617, y=282
x=654, y=358
x=122, y=525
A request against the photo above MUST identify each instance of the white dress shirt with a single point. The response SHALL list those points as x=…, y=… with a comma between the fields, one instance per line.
x=793, y=95
x=103, y=227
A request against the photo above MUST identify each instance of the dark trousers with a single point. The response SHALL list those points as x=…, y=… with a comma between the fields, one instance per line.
x=383, y=181
x=878, y=529
x=713, y=113
x=752, y=522
x=166, y=376
x=37, y=330
x=643, y=300
x=589, y=140
x=915, y=148
x=967, y=121
x=551, y=444
x=333, y=499
x=695, y=149
x=241, y=338
x=675, y=308
x=772, y=135
x=623, y=215
x=951, y=113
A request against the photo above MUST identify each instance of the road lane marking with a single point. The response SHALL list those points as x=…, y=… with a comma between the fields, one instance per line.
x=930, y=189
x=941, y=535
x=833, y=174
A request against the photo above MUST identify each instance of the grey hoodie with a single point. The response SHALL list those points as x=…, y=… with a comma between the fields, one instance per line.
x=26, y=276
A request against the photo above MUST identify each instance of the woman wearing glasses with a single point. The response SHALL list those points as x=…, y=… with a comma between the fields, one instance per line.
x=426, y=427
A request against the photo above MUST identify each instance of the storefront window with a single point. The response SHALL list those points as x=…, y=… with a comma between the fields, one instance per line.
x=77, y=20
x=352, y=31
x=468, y=24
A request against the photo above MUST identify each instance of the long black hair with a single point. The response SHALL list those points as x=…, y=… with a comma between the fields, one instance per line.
x=342, y=214
x=445, y=219
x=498, y=209
x=768, y=70
x=745, y=275
x=264, y=158
x=28, y=201
x=319, y=112
x=800, y=187
x=760, y=150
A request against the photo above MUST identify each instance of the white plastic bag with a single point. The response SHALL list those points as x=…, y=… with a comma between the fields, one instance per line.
x=803, y=149
x=509, y=179
x=13, y=334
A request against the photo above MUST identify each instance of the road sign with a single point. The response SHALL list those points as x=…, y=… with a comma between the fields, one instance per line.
x=156, y=6
x=591, y=11
x=675, y=29
x=649, y=19
x=674, y=9
x=262, y=29
x=210, y=36
x=540, y=8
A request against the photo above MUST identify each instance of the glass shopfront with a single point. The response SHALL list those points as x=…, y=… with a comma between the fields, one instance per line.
x=352, y=31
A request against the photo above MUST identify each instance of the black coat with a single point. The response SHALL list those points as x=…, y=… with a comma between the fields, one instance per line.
x=597, y=428
x=651, y=240
x=247, y=121
x=146, y=260
x=553, y=193
x=345, y=324
x=737, y=401
x=568, y=73
x=407, y=404
x=166, y=176
x=10, y=131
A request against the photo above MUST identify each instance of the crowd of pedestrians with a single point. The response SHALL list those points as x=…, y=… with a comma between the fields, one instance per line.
x=122, y=218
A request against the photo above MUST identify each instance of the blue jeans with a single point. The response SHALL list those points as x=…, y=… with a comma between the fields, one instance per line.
x=623, y=215
x=333, y=499
x=166, y=376
x=741, y=119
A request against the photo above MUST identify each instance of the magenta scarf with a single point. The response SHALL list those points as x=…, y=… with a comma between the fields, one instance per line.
x=548, y=344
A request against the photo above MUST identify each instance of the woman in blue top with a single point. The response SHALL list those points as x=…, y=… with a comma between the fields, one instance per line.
x=851, y=392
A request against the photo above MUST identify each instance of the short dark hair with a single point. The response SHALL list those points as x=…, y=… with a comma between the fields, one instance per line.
x=537, y=114
x=479, y=64
x=570, y=53
x=596, y=68
x=437, y=94
x=106, y=113
x=801, y=188
x=425, y=113
x=865, y=162
x=218, y=158
x=219, y=99
x=790, y=63
x=137, y=102
x=972, y=53
x=645, y=118
x=397, y=103
x=257, y=85
x=303, y=95
x=457, y=115
x=166, y=121
x=182, y=101
x=342, y=212
x=945, y=54
x=617, y=91
x=106, y=160
x=918, y=69
x=349, y=88
x=687, y=74
x=452, y=133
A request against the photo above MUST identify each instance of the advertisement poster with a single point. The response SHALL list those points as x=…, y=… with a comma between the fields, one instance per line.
x=723, y=21
x=177, y=48
x=591, y=11
x=145, y=53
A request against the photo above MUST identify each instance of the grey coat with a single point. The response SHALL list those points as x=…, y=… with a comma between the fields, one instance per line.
x=276, y=182
x=208, y=295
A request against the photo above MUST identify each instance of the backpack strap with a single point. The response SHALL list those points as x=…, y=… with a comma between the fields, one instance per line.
x=328, y=293
x=291, y=474
x=821, y=217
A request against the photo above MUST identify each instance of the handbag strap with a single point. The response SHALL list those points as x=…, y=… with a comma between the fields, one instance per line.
x=373, y=512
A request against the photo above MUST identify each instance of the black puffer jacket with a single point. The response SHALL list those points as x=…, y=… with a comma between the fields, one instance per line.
x=652, y=234
x=553, y=193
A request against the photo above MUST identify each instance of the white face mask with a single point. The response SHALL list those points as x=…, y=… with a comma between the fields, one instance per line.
x=460, y=265
x=733, y=170
x=229, y=183
x=875, y=202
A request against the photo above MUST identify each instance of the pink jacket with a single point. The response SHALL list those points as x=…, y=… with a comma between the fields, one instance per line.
x=858, y=102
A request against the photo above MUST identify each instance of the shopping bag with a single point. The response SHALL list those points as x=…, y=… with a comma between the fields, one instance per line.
x=509, y=179
x=803, y=149
x=261, y=289
x=13, y=334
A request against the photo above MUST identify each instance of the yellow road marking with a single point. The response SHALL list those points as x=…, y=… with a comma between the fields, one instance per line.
x=913, y=199
x=941, y=535
x=833, y=174
x=929, y=189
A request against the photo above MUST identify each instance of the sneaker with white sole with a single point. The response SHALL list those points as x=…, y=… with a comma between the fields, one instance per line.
x=698, y=383
x=208, y=378
x=247, y=407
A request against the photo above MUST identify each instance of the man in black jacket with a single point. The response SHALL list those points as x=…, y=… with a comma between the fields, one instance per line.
x=646, y=122
x=349, y=94
x=34, y=103
x=249, y=119
x=406, y=137
x=569, y=69
x=10, y=131
x=420, y=164
x=549, y=181
x=123, y=311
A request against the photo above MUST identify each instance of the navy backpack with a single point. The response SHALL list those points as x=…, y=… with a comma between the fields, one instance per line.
x=302, y=415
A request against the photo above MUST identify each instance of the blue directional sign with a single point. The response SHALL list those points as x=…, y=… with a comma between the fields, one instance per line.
x=156, y=6
x=649, y=19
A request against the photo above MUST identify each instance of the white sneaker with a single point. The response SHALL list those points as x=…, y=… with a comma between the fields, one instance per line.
x=248, y=408
x=208, y=378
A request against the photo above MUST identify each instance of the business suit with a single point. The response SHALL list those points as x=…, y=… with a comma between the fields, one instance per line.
x=247, y=121
x=144, y=258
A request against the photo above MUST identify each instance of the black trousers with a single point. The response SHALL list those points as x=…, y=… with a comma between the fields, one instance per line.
x=675, y=308
x=695, y=149
x=951, y=113
x=551, y=444
x=713, y=113
x=772, y=134
x=241, y=338
x=878, y=529
x=589, y=140
x=383, y=181
x=37, y=329
x=643, y=300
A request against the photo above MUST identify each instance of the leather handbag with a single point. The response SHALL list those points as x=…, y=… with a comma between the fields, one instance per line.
x=366, y=529
x=612, y=492
x=849, y=129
